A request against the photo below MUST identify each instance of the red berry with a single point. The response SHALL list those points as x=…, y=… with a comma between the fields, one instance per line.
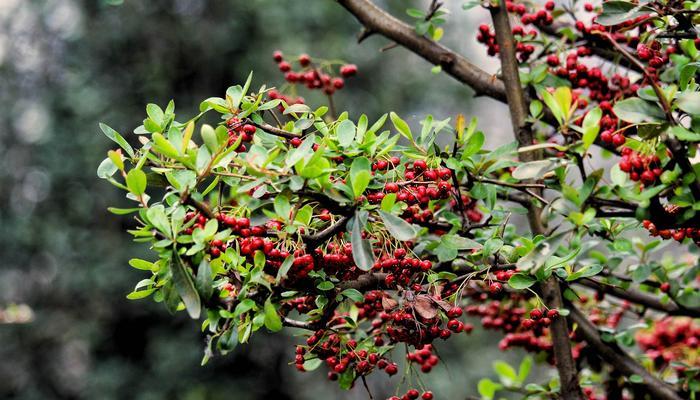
x=618, y=139
x=304, y=60
x=665, y=287
x=277, y=56
x=391, y=187
x=427, y=395
x=420, y=165
x=348, y=70
x=285, y=66
x=535, y=314
x=553, y=313
x=495, y=288
x=549, y=5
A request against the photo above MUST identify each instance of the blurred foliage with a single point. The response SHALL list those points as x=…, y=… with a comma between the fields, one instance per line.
x=67, y=64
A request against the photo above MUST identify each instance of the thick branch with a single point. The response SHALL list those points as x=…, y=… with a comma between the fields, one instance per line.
x=619, y=359
x=313, y=240
x=642, y=298
x=379, y=21
x=517, y=104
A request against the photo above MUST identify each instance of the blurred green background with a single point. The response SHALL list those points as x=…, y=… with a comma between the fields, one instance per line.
x=66, y=65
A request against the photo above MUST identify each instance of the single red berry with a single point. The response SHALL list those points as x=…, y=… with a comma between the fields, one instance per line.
x=348, y=70
x=420, y=165
x=454, y=312
x=285, y=66
x=618, y=139
x=249, y=129
x=553, y=313
x=295, y=142
x=535, y=314
x=304, y=60
x=549, y=5
x=277, y=56
x=427, y=395
x=665, y=287
x=338, y=83
x=391, y=187
x=495, y=288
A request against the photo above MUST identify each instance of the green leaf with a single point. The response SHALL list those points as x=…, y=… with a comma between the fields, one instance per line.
x=398, y=227
x=157, y=217
x=683, y=134
x=282, y=207
x=360, y=175
x=182, y=280
x=636, y=110
x=273, y=322
x=312, y=364
x=163, y=146
x=284, y=268
x=361, y=248
x=534, y=169
x=136, y=181
x=346, y=133
x=505, y=371
x=401, y=126
x=689, y=102
x=142, y=264
x=117, y=138
x=325, y=286
x=353, y=294
x=106, y=169
x=521, y=281
x=591, y=127
x=524, y=369
x=205, y=282
x=209, y=137
x=487, y=388
x=617, y=12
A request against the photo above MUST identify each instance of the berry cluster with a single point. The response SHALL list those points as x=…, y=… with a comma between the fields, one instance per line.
x=676, y=234
x=311, y=75
x=413, y=394
x=400, y=268
x=238, y=129
x=199, y=222
x=671, y=339
x=640, y=167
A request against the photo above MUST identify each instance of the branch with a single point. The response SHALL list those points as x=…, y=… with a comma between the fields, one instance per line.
x=312, y=240
x=185, y=198
x=642, y=298
x=517, y=104
x=619, y=359
x=273, y=130
x=376, y=20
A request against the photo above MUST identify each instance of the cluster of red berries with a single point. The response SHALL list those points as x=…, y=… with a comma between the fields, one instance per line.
x=341, y=356
x=238, y=129
x=523, y=50
x=640, y=167
x=199, y=221
x=671, y=339
x=338, y=261
x=274, y=95
x=540, y=317
x=413, y=394
x=302, y=304
x=400, y=268
x=216, y=247
x=424, y=357
x=652, y=55
x=311, y=76
x=676, y=234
